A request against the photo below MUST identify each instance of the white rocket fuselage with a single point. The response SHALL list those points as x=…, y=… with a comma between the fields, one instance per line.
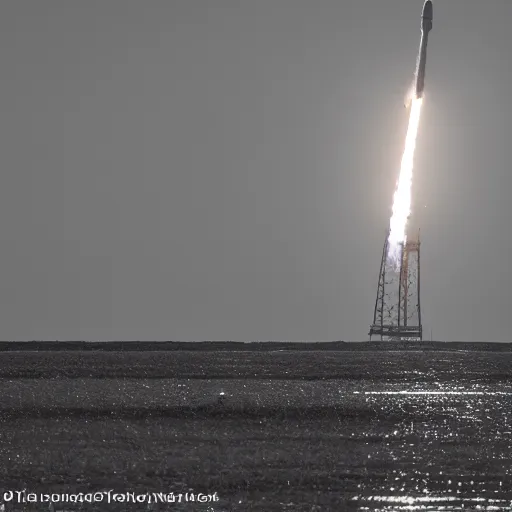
x=426, y=26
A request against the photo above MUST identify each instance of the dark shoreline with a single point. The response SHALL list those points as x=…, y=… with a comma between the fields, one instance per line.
x=145, y=346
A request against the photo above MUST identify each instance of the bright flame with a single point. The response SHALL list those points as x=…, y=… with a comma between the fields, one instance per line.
x=402, y=197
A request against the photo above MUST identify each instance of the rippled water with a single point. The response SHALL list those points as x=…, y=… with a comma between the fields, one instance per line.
x=381, y=431
x=446, y=449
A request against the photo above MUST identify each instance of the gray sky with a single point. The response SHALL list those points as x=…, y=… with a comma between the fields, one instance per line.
x=224, y=169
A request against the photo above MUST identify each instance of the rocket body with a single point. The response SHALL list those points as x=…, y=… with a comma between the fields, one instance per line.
x=426, y=26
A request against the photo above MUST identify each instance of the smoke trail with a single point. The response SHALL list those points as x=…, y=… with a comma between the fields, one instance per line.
x=402, y=196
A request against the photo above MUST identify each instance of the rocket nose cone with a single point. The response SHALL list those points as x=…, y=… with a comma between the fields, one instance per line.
x=427, y=10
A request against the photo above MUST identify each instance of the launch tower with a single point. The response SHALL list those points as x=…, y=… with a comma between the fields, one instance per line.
x=397, y=314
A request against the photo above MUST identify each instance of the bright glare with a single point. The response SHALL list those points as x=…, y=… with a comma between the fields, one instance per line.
x=409, y=96
x=402, y=197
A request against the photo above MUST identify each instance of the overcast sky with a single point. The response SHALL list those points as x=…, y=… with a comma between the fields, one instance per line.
x=224, y=169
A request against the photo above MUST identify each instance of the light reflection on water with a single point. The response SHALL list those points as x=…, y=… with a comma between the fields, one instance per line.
x=405, y=392
x=301, y=431
x=453, y=444
x=448, y=503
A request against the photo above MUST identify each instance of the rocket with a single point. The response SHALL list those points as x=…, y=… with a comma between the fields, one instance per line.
x=426, y=27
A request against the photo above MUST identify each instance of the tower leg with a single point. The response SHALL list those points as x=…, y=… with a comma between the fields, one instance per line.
x=397, y=311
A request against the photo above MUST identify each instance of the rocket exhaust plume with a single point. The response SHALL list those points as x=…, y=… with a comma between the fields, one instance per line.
x=402, y=197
